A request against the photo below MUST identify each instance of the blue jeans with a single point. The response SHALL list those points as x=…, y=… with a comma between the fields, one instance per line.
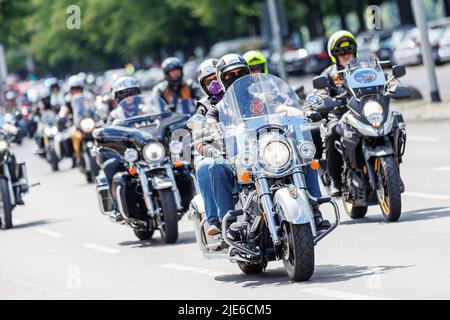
x=312, y=183
x=216, y=182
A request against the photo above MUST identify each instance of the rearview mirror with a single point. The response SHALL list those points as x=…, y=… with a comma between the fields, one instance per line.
x=398, y=71
x=197, y=120
x=320, y=82
x=401, y=92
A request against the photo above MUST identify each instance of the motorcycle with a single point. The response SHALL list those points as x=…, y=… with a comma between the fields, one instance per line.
x=13, y=178
x=156, y=186
x=267, y=141
x=373, y=137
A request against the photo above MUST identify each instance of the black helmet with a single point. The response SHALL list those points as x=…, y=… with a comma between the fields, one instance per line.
x=170, y=64
x=231, y=62
x=125, y=87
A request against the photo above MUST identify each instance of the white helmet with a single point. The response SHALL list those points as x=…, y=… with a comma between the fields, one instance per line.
x=206, y=69
x=75, y=82
x=125, y=87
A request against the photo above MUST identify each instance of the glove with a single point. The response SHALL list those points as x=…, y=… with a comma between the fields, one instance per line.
x=315, y=116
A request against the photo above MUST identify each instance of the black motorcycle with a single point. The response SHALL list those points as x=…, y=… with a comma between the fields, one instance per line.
x=156, y=186
x=88, y=161
x=372, y=137
x=13, y=180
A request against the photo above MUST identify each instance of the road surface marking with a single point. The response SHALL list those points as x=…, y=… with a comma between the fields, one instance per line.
x=424, y=139
x=442, y=169
x=48, y=232
x=179, y=267
x=198, y=270
x=101, y=248
x=338, y=294
x=427, y=196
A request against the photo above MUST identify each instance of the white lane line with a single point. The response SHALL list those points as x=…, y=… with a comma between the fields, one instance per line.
x=441, y=169
x=97, y=247
x=338, y=294
x=426, y=196
x=424, y=139
x=198, y=270
x=48, y=232
x=179, y=267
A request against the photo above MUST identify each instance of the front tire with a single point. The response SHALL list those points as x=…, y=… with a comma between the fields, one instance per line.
x=250, y=268
x=54, y=160
x=389, y=192
x=144, y=235
x=168, y=217
x=6, y=209
x=354, y=212
x=298, y=251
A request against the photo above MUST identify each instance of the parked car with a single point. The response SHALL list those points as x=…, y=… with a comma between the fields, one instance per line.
x=444, y=46
x=408, y=52
x=377, y=42
x=318, y=59
x=294, y=61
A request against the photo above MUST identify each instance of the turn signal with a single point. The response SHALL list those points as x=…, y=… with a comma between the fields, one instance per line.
x=245, y=176
x=178, y=164
x=315, y=165
x=132, y=171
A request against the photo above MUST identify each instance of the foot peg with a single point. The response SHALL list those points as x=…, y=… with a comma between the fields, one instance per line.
x=236, y=213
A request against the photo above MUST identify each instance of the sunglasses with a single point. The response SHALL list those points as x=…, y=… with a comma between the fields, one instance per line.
x=259, y=68
x=343, y=51
x=233, y=74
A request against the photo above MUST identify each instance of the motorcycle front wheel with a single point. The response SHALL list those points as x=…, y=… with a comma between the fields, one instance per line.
x=6, y=207
x=389, y=189
x=168, y=219
x=54, y=162
x=298, y=251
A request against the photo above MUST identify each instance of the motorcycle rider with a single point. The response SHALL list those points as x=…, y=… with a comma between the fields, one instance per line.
x=342, y=49
x=81, y=105
x=123, y=88
x=211, y=87
x=215, y=174
x=174, y=90
x=256, y=62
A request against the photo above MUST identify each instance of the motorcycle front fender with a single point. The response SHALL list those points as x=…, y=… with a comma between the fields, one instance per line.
x=293, y=206
x=381, y=151
x=161, y=182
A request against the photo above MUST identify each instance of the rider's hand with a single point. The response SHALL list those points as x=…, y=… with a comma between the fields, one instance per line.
x=315, y=116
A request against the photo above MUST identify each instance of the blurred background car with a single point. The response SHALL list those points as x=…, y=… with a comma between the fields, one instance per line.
x=294, y=61
x=318, y=59
x=444, y=46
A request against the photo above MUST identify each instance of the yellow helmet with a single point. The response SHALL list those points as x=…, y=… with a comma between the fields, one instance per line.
x=342, y=42
x=256, y=60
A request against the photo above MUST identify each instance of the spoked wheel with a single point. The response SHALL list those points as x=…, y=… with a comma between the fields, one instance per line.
x=168, y=218
x=5, y=206
x=389, y=188
x=352, y=211
x=298, y=251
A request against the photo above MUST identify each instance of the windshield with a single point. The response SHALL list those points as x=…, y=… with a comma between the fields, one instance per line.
x=141, y=105
x=255, y=96
x=364, y=75
x=257, y=103
x=83, y=107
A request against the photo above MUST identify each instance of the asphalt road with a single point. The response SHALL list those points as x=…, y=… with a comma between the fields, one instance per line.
x=63, y=248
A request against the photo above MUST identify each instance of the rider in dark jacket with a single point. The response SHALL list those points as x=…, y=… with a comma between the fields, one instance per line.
x=174, y=89
x=342, y=48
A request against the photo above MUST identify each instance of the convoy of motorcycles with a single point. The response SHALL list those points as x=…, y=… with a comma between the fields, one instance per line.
x=269, y=152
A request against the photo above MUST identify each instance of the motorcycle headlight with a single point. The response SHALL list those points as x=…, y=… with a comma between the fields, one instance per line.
x=3, y=146
x=87, y=125
x=131, y=155
x=154, y=152
x=307, y=150
x=276, y=154
x=50, y=131
x=373, y=111
x=176, y=147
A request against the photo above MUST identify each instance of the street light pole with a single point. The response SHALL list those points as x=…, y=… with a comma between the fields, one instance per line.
x=3, y=69
x=276, y=33
x=421, y=21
